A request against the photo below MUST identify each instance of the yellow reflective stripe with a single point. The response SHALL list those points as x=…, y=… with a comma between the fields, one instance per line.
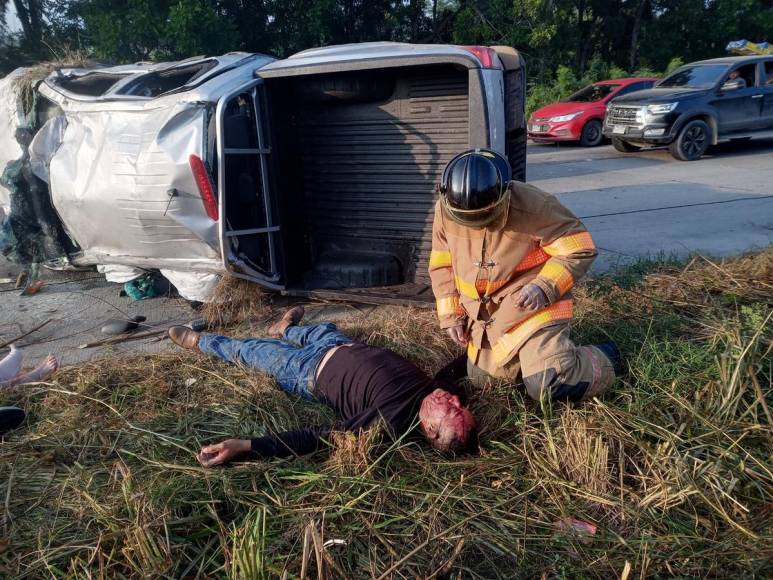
x=447, y=306
x=439, y=259
x=513, y=338
x=466, y=288
x=559, y=275
x=567, y=245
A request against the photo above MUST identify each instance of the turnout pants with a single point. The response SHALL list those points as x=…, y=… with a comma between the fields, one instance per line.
x=549, y=362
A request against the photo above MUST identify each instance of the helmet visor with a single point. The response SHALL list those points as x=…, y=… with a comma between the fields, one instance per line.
x=477, y=217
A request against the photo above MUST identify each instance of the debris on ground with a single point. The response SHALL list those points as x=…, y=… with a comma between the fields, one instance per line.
x=140, y=288
x=122, y=325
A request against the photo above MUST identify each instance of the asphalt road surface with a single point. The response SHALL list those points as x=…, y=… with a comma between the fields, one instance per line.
x=647, y=204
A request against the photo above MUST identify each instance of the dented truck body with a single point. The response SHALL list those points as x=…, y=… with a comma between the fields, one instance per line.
x=310, y=175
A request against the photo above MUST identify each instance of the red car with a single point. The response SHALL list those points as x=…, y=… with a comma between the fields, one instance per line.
x=579, y=118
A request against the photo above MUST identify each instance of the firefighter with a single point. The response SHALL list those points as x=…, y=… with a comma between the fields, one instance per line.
x=505, y=256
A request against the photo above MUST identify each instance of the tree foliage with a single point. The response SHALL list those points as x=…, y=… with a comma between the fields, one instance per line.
x=587, y=36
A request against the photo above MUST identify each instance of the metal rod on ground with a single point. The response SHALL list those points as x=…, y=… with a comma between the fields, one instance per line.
x=118, y=339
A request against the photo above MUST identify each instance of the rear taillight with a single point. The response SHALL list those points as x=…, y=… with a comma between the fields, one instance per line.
x=484, y=54
x=204, y=184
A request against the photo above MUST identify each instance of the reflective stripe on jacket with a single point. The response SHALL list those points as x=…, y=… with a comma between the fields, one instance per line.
x=477, y=272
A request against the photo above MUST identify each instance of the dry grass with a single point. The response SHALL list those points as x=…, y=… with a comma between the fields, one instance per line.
x=236, y=301
x=672, y=467
x=26, y=83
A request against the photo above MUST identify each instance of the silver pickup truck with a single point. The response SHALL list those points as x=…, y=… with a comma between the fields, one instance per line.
x=311, y=175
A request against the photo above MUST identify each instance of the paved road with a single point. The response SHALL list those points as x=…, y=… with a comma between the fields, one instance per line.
x=649, y=204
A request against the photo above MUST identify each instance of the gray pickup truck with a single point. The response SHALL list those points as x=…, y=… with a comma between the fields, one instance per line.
x=311, y=175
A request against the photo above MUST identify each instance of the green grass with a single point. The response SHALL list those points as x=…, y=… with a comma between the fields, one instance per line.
x=673, y=466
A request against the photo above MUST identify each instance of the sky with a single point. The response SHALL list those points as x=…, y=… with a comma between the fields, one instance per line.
x=10, y=18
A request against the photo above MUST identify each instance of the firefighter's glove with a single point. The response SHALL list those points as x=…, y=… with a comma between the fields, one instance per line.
x=458, y=334
x=531, y=297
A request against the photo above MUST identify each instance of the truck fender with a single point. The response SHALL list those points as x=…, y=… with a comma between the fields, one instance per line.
x=706, y=115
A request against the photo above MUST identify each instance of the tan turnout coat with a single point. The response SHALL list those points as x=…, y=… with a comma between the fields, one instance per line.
x=476, y=273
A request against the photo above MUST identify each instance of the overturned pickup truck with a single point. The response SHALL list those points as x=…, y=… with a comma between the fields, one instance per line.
x=312, y=175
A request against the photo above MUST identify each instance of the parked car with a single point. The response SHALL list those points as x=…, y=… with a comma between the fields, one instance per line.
x=312, y=174
x=580, y=117
x=699, y=104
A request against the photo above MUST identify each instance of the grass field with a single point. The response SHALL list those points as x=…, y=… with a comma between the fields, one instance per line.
x=673, y=467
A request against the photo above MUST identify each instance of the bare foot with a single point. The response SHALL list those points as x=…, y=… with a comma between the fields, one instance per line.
x=42, y=371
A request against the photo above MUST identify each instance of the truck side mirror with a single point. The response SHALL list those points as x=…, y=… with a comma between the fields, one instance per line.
x=733, y=85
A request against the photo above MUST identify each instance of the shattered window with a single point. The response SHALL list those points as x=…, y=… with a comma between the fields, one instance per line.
x=91, y=84
x=157, y=83
x=241, y=130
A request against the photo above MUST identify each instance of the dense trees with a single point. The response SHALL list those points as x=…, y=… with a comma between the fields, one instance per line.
x=627, y=34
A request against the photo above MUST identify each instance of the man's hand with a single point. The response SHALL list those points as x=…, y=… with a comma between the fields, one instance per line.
x=531, y=297
x=221, y=453
x=458, y=334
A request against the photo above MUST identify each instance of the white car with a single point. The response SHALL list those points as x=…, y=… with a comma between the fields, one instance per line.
x=312, y=174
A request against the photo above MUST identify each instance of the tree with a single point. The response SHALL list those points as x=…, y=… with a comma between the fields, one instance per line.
x=30, y=15
x=198, y=27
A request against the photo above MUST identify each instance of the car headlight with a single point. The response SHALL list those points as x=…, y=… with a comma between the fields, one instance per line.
x=564, y=118
x=661, y=109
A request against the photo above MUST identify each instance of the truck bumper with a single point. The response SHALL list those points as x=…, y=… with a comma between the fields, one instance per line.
x=655, y=134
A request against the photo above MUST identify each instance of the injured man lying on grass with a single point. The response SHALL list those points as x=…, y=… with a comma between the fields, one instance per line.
x=365, y=385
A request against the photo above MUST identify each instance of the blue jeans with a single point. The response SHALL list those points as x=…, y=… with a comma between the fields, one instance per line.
x=292, y=362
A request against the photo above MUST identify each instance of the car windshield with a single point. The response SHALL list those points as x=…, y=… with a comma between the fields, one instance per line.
x=591, y=93
x=702, y=76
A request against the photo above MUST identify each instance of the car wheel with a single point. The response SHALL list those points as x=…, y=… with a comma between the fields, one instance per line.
x=591, y=135
x=624, y=146
x=692, y=142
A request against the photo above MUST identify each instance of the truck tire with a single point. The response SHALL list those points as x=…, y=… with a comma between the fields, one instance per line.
x=624, y=146
x=591, y=135
x=692, y=141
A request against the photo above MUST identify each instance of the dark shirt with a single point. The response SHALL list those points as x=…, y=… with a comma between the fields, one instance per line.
x=362, y=384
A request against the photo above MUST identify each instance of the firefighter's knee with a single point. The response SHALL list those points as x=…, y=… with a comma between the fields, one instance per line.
x=553, y=378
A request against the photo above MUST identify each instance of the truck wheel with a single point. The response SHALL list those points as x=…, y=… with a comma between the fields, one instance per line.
x=692, y=141
x=591, y=135
x=624, y=146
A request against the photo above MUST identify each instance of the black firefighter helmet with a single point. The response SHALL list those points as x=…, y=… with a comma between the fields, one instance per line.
x=473, y=189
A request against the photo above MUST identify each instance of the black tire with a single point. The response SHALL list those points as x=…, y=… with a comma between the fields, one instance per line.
x=624, y=146
x=692, y=141
x=591, y=135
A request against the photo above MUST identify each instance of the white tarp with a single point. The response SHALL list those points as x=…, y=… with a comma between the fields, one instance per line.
x=199, y=286
x=119, y=274
x=11, y=118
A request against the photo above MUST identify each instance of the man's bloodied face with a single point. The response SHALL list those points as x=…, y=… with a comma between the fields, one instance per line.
x=446, y=424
